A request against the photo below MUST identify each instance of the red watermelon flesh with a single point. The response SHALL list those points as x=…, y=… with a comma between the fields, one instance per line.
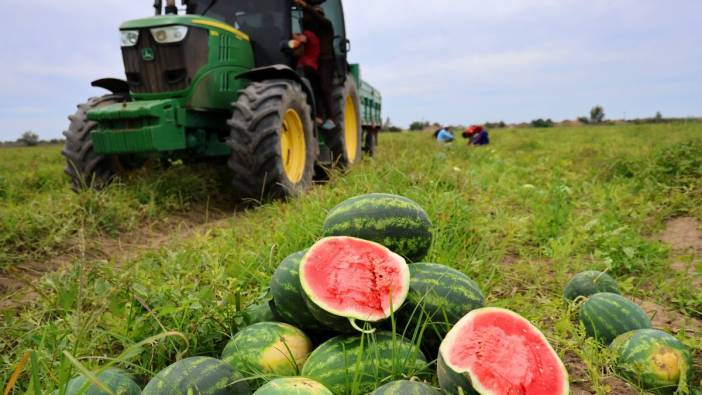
x=500, y=352
x=354, y=278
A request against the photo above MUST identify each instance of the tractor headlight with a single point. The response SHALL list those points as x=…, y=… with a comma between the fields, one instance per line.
x=129, y=37
x=169, y=34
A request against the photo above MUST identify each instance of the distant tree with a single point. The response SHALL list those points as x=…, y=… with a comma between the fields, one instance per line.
x=597, y=114
x=584, y=120
x=542, y=123
x=388, y=124
x=659, y=117
x=29, y=139
x=419, y=125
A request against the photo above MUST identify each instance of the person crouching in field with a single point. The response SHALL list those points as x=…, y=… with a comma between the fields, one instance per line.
x=443, y=135
x=477, y=135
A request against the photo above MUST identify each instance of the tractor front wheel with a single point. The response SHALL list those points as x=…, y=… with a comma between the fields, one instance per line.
x=272, y=141
x=86, y=168
x=345, y=142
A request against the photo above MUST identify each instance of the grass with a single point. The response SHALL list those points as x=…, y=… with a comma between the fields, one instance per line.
x=519, y=217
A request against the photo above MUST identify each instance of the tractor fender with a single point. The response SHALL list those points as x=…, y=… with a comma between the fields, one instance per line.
x=114, y=85
x=281, y=71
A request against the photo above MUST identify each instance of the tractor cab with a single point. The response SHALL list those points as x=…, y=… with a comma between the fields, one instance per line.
x=270, y=24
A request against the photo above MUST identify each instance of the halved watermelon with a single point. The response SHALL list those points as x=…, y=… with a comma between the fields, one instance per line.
x=496, y=351
x=353, y=279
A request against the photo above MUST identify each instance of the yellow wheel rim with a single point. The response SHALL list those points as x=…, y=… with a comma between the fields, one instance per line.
x=351, y=129
x=292, y=146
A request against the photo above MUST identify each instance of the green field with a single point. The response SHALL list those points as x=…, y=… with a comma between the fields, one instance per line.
x=520, y=217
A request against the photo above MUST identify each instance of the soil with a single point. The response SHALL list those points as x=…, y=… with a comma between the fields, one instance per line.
x=683, y=235
x=580, y=379
x=18, y=286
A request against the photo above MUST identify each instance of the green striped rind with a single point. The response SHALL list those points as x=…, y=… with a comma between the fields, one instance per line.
x=653, y=360
x=289, y=297
x=293, y=386
x=589, y=283
x=272, y=348
x=453, y=382
x=116, y=380
x=406, y=387
x=439, y=296
x=260, y=312
x=198, y=375
x=394, y=221
x=607, y=315
x=357, y=365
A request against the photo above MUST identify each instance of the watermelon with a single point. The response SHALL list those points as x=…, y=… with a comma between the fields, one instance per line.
x=406, y=387
x=589, y=283
x=496, y=351
x=438, y=297
x=293, y=386
x=271, y=348
x=394, y=221
x=345, y=279
x=198, y=375
x=358, y=364
x=115, y=380
x=654, y=360
x=607, y=315
x=288, y=295
x=259, y=312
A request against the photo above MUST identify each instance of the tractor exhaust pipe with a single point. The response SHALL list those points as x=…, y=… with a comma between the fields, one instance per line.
x=171, y=8
x=158, y=5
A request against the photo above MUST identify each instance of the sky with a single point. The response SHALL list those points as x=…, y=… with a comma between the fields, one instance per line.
x=446, y=61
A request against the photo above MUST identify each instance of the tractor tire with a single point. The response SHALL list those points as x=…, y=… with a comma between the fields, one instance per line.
x=272, y=141
x=370, y=137
x=345, y=142
x=86, y=168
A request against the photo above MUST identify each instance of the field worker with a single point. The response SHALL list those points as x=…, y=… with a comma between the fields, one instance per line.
x=308, y=60
x=444, y=136
x=327, y=62
x=481, y=137
x=471, y=131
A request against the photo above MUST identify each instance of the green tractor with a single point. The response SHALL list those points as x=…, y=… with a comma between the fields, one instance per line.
x=219, y=81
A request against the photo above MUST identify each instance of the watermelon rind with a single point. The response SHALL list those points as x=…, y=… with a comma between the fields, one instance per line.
x=358, y=364
x=293, y=386
x=438, y=297
x=288, y=295
x=653, y=360
x=588, y=283
x=394, y=221
x=406, y=387
x=345, y=321
x=268, y=348
x=198, y=375
x=606, y=315
x=450, y=376
x=116, y=380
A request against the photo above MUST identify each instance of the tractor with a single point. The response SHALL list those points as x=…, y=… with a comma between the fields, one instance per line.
x=216, y=79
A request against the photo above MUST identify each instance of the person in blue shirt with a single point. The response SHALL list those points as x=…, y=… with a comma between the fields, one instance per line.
x=444, y=135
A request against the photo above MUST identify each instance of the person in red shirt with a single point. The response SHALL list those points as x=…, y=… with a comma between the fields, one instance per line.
x=308, y=60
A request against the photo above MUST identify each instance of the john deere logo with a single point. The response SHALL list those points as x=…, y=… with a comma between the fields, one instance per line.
x=148, y=54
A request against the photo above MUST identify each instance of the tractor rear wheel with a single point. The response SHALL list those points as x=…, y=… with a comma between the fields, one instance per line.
x=345, y=142
x=272, y=141
x=86, y=168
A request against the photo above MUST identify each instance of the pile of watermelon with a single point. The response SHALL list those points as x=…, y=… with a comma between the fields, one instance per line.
x=359, y=312
x=649, y=358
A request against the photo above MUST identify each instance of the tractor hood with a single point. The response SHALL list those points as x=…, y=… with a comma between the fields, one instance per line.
x=183, y=20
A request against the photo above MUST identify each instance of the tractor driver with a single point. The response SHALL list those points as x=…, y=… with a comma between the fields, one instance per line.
x=308, y=59
x=327, y=63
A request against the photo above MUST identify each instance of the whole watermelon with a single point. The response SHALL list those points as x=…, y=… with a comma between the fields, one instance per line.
x=358, y=364
x=115, y=380
x=287, y=295
x=607, y=315
x=406, y=387
x=293, y=386
x=653, y=360
x=438, y=297
x=271, y=348
x=589, y=283
x=394, y=221
x=198, y=375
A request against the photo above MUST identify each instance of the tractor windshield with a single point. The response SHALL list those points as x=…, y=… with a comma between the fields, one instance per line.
x=267, y=22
